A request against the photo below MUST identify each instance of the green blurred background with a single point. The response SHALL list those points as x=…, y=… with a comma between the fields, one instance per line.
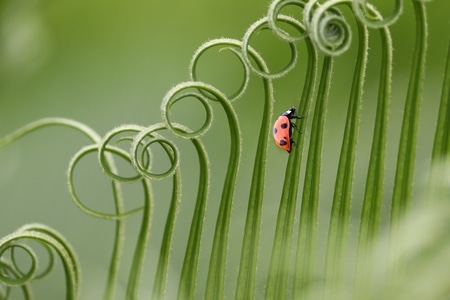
x=107, y=63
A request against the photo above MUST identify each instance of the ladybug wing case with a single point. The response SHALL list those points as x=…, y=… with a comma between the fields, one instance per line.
x=282, y=133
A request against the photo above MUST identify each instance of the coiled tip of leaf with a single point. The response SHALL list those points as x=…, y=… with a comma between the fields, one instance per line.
x=328, y=29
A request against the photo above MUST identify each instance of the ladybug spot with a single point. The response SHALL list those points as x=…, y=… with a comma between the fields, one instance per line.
x=284, y=125
x=283, y=142
x=275, y=131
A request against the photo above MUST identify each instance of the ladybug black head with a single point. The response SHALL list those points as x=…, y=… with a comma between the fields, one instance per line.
x=290, y=112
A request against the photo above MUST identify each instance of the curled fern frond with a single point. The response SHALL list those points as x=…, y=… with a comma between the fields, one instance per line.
x=198, y=90
x=176, y=94
x=364, y=12
x=105, y=159
x=277, y=280
x=24, y=277
x=263, y=24
x=327, y=27
x=52, y=241
x=248, y=263
x=141, y=154
x=71, y=173
x=119, y=206
x=223, y=44
x=274, y=14
x=8, y=270
x=417, y=241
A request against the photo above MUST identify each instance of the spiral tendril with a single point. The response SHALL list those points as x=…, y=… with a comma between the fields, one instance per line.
x=171, y=98
x=140, y=151
x=194, y=90
x=109, y=170
x=328, y=29
x=364, y=12
x=76, y=158
x=43, y=273
x=224, y=44
x=52, y=241
x=263, y=24
x=21, y=277
x=274, y=15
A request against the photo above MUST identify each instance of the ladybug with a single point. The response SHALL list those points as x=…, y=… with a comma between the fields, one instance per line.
x=282, y=129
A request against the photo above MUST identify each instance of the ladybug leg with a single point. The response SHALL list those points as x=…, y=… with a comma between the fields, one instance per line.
x=293, y=144
x=295, y=126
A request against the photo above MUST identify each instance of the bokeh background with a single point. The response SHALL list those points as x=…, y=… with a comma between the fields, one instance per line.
x=107, y=63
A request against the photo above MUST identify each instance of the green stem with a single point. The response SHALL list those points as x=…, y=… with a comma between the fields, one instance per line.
x=188, y=277
x=441, y=147
x=249, y=254
x=159, y=286
x=373, y=196
x=90, y=133
x=95, y=138
x=307, y=235
x=7, y=268
x=408, y=137
x=281, y=252
x=216, y=272
x=47, y=236
x=340, y=212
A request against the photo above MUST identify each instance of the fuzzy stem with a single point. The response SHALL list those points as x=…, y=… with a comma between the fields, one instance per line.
x=340, y=212
x=408, y=137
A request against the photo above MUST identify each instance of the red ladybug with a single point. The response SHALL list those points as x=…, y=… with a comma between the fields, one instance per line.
x=282, y=129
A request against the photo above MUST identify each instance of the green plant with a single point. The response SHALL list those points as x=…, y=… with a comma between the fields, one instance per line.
x=415, y=244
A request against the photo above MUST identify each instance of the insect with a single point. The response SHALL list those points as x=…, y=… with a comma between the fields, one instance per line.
x=282, y=129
